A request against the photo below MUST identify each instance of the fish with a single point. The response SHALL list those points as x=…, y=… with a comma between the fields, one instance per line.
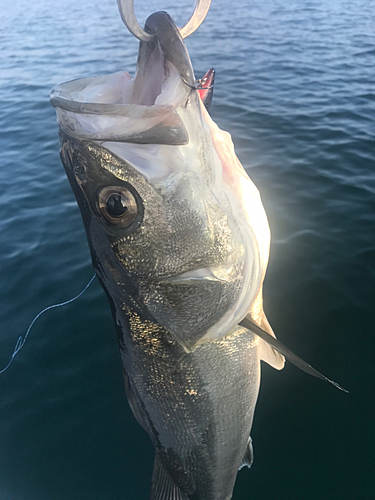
x=179, y=240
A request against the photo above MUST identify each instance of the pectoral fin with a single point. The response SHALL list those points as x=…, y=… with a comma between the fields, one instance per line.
x=163, y=486
x=268, y=353
x=289, y=355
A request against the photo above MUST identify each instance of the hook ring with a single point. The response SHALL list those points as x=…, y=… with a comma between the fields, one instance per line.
x=126, y=8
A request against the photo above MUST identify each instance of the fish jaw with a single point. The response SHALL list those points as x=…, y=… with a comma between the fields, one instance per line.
x=157, y=59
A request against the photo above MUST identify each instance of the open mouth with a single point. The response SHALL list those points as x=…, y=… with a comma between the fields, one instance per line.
x=141, y=110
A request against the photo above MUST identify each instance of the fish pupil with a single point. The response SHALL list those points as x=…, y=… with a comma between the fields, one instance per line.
x=116, y=205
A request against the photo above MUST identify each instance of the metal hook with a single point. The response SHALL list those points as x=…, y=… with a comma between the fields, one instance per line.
x=126, y=8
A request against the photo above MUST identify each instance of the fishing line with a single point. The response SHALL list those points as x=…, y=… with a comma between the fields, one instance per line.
x=21, y=341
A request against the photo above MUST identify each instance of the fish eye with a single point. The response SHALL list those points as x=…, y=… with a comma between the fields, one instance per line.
x=118, y=205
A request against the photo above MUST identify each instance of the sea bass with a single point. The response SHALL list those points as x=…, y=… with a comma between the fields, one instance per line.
x=179, y=240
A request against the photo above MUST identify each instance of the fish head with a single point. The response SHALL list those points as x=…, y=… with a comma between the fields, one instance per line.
x=160, y=203
x=171, y=244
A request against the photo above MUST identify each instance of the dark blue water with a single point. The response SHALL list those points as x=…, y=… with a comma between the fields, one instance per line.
x=295, y=87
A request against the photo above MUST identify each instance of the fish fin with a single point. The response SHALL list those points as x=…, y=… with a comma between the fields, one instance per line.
x=248, y=458
x=163, y=486
x=248, y=323
x=266, y=352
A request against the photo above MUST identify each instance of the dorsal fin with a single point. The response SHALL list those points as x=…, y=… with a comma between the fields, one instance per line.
x=289, y=355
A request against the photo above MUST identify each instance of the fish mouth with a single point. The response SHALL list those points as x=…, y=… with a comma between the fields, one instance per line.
x=159, y=59
x=141, y=110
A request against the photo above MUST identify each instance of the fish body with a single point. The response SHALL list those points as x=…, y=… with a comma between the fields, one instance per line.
x=179, y=241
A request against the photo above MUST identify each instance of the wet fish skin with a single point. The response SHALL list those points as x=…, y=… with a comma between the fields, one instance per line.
x=196, y=408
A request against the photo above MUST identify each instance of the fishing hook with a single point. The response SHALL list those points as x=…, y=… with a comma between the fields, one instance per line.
x=126, y=8
x=198, y=85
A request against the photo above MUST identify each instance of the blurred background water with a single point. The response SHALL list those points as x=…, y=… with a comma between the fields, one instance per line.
x=295, y=88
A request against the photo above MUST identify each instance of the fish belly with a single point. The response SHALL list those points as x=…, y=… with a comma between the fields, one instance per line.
x=197, y=407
